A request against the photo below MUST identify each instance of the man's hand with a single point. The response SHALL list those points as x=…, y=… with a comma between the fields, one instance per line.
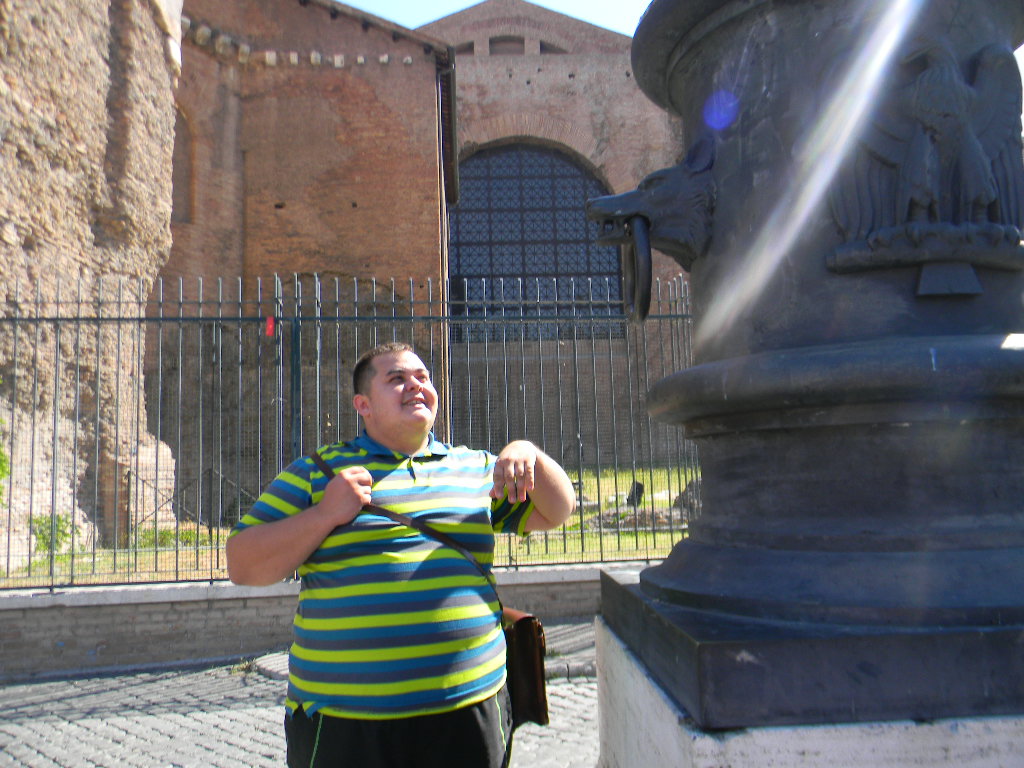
x=265, y=554
x=514, y=471
x=522, y=468
x=346, y=494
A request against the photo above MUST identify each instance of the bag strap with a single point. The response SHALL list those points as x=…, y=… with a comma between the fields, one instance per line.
x=412, y=522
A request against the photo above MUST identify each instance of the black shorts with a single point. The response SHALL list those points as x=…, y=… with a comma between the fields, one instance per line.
x=478, y=736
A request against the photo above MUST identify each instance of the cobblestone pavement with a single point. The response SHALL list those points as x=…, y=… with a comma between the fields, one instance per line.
x=228, y=717
x=571, y=739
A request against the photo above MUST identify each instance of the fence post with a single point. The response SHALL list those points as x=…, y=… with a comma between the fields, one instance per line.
x=295, y=398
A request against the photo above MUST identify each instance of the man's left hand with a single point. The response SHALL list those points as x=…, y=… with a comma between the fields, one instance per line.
x=514, y=472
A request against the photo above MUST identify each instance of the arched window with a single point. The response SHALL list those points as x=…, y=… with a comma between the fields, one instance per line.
x=520, y=236
x=507, y=45
x=546, y=48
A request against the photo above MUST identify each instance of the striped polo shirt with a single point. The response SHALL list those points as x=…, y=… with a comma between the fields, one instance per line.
x=392, y=623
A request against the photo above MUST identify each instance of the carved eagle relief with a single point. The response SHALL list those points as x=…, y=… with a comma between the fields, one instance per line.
x=938, y=175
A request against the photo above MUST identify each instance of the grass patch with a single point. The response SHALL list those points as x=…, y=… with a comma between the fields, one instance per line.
x=571, y=547
x=610, y=487
x=540, y=548
x=136, y=565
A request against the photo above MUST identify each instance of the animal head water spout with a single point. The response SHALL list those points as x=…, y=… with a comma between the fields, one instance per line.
x=671, y=210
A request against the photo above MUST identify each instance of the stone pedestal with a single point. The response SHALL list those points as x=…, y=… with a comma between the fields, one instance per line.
x=642, y=725
x=851, y=215
x=731, y=671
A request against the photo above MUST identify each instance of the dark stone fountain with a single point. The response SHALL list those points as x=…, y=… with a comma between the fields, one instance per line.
x=850, y=209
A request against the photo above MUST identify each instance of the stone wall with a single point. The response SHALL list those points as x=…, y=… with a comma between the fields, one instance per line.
x=89, y=630
x=86, y=134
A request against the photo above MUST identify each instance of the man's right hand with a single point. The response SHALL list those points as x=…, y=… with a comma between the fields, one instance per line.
x=266, y=553
x=346, y=494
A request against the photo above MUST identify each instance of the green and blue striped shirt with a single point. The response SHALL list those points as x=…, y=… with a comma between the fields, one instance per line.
x=391, y=623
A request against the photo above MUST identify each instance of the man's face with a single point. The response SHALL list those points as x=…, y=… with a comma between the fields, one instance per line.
x=401, y=402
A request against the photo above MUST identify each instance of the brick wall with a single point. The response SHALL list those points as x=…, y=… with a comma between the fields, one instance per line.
x=93, y=630
x=208, y=240
x=314, y=144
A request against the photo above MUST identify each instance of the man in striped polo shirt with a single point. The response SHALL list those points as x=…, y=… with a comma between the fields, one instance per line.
x=398, y=657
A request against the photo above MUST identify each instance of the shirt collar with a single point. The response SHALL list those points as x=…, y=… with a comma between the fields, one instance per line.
x=372, y=447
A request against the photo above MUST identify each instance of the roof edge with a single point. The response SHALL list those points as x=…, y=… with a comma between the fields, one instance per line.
x=440, y=48
x=530, y=6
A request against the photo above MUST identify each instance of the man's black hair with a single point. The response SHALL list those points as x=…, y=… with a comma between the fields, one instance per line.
x=362, y=374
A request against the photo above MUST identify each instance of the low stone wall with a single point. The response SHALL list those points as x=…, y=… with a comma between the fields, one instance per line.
x=93, y=630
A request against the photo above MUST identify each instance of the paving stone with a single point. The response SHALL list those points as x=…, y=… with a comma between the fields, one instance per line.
x=227, y=717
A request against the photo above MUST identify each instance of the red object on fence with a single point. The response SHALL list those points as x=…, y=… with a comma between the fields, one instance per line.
x=270, y=325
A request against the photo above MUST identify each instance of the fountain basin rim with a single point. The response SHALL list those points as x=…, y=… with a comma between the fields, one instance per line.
x=666, y=31
x=904, y=370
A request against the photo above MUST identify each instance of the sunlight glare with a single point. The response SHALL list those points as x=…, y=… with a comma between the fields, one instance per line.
x=818, y=160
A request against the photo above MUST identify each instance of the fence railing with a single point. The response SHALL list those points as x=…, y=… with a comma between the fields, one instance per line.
x=140, y=421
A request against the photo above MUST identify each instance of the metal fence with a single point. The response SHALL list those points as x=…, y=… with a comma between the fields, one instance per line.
x=140, y=421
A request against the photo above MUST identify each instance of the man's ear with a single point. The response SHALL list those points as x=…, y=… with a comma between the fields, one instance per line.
x=361, y=403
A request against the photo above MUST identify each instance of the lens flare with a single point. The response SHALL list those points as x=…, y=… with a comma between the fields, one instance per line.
x=1013, y=341
x=817, y=162
x=720, y=110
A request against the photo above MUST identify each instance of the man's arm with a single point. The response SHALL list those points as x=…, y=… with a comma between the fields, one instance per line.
x=522, y=468
x=266, y=553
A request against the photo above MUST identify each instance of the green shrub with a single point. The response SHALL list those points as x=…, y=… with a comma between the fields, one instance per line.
x=191, y=538
x=5, y=470
x=169, y=538
x=51, y=533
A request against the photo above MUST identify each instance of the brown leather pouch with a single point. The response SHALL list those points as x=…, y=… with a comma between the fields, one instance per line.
x=527, y=686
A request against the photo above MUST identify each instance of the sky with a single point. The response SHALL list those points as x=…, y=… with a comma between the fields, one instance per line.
x=620, y=16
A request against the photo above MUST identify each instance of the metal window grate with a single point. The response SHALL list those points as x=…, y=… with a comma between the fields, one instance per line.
x=520, y=232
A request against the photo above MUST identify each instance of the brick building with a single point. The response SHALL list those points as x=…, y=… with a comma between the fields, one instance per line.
x=313, y=137
x=310, y=138
x=531, y=80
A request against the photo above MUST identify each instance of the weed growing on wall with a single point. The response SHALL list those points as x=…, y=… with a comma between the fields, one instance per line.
x=51, y=533
x=5, y=464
